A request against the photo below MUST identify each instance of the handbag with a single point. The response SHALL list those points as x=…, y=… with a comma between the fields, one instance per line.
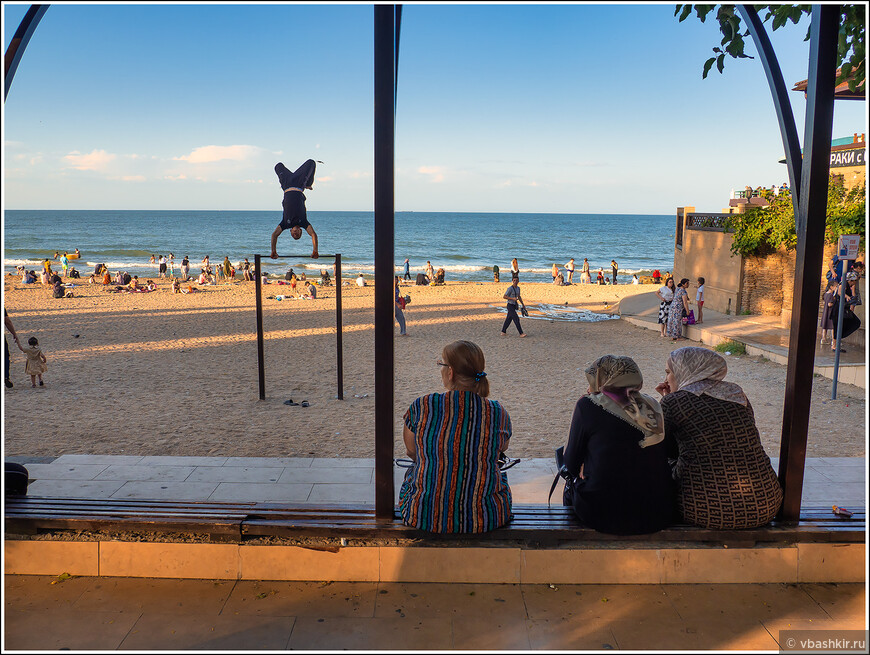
x=562, y=473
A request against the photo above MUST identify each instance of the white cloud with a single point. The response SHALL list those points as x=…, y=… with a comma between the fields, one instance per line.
x=96, y=160
x=133, y=178
x=435, y=173
x=208, y=154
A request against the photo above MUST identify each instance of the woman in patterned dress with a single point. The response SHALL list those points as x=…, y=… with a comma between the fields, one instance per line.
x=724, y=477
x=665, y=295
x=679, y=304
x=455, y=440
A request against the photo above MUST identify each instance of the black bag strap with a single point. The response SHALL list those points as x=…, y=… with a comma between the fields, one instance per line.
x=563, y=472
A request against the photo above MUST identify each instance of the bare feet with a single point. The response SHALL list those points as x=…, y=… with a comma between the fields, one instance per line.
x=504, y=334
x=274, y=255
x=523, y=334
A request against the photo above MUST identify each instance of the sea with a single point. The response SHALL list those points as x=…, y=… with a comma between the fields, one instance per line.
x=466, y=244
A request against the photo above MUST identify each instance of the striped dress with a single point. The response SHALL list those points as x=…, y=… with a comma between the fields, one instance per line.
x=455, y=484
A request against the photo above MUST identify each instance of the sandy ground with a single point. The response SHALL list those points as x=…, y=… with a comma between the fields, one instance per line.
x=165, y=374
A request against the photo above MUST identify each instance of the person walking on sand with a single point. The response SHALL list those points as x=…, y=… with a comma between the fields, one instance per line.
x=161, y=266
x=513, y=297
x=585, y=277
x=615, y=267
x=430, y=272
x=399, y=302
x=185, y=268
x=35, y=365
x=227, y=266
x=295, y=216
x=64, y=264
x=407, y=269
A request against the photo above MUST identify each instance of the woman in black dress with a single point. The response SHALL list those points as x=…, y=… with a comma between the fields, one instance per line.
x=617, y=459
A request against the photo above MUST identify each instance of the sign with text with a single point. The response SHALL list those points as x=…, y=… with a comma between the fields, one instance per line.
x=854, y=157
x=847, y=246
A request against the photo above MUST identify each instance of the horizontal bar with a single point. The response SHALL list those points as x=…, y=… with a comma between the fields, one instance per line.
x=266, y=257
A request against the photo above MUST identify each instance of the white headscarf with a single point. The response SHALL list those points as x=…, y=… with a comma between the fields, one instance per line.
x=622, y=374
x=701, y=371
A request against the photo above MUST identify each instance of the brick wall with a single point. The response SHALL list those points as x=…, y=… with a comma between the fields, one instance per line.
x=763, y=283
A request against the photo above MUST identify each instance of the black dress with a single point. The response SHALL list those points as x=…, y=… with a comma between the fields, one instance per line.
x=627, y=489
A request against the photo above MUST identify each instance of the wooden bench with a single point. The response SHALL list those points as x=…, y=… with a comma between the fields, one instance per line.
x=240, y=521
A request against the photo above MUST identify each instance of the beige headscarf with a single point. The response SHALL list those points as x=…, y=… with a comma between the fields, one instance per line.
x=701, y=371
x=622, y=374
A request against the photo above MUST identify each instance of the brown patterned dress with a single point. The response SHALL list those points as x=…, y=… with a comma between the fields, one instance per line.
x=725, y=479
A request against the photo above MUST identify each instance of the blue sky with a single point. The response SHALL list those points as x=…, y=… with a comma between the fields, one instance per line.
x=515, y=108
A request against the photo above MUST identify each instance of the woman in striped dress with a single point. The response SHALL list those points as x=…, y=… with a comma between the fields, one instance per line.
x=455, y=439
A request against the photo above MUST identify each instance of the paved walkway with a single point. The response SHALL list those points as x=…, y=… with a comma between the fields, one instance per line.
x=161, y=614
x=762, y=335
x=827, y=480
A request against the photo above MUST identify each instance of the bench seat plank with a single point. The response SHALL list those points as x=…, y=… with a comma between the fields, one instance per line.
x=225, y=520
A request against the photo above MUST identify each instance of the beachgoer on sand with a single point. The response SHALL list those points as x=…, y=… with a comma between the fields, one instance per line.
x=513, y=297
x=35, y=365
x=699, y=300
x=7, y=360
x=399, y=302
x=678, y=309
x=569, y=267
x=295, y=216
x=615, y=267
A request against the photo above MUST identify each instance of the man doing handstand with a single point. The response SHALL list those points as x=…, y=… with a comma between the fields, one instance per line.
x=295, y=217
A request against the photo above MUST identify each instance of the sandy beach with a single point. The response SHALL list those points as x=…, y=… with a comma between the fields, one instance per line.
x=174, y=374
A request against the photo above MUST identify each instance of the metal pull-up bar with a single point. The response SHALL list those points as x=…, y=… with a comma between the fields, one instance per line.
x=258, y=285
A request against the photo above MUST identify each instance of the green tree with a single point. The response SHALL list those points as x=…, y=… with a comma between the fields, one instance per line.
x=850, y=49
x=762, y=230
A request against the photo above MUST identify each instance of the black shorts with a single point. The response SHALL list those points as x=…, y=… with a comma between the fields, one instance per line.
x=294, y=211
x=162, y=268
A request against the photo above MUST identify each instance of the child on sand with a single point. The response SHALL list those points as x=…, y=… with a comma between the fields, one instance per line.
x=699, y=299
x=35, y=365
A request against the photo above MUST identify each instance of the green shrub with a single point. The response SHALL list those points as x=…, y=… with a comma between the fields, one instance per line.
x=733, y=347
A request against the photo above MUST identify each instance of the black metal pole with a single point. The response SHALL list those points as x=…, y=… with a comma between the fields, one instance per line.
x=810, y=225
x=838, y=340
x=258, y=286
x=339, y=352
x=19, y=42
x=384, y=114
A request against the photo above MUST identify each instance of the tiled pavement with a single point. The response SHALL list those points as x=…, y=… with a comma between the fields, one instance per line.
x=827, y=480
x=85, y=613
